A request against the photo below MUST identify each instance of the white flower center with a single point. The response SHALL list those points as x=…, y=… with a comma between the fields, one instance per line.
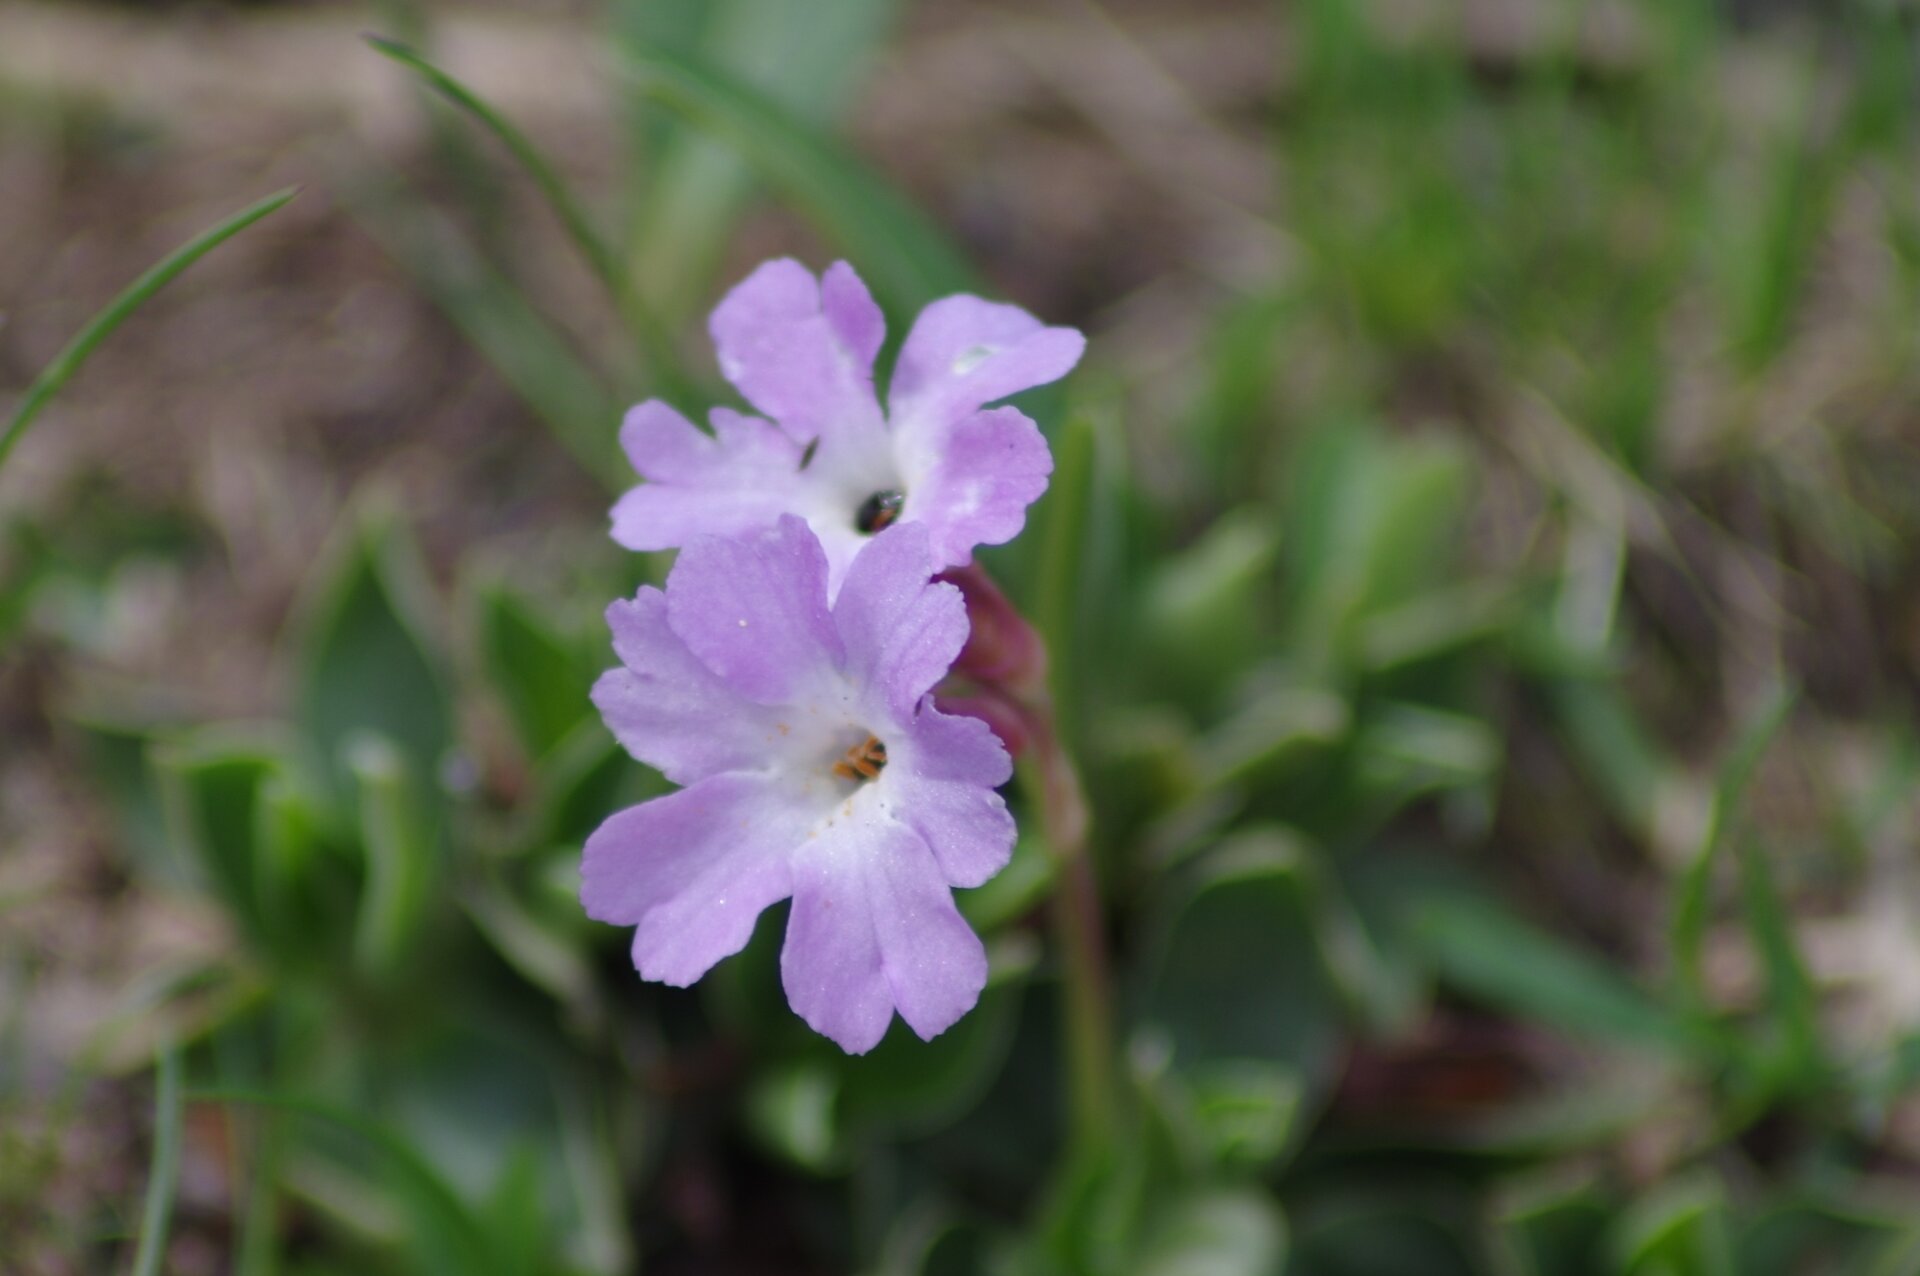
x=829, y=758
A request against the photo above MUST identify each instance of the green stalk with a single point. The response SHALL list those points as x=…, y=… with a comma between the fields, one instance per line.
x=68, y=361
x=605, y=264
x=156, y=1217
x=1075, y=915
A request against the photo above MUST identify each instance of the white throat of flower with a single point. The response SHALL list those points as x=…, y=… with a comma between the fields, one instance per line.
x=829, y=750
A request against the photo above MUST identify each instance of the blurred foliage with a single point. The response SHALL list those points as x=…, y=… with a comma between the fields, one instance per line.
x=1464, y=826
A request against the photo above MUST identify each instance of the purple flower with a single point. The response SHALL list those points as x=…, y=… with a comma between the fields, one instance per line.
x=801, y=350
x=815, y=766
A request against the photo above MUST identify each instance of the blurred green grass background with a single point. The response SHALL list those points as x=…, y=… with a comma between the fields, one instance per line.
x=1481, y=571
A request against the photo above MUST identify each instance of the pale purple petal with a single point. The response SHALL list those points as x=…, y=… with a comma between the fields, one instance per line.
x=804, y=360
x=852, y=313
x=955, y=748
x=949, y=766
x=744, y=477
x=874, y=929
x=753, y=608
x=901, y=630
x=670, y=710
x=978, y=481
x=965, y=352
x=842, y=544
x=692, y=870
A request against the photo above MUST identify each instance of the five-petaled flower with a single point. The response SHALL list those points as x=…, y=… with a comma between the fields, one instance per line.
x=801, y=351
x=814, y=765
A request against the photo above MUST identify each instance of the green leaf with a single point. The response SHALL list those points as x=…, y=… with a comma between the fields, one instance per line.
x=533, y=668
x=1433, y=624
x=1371, y=525
x=927, y=1239
x=1370, y=1233
x=905, y=259
x=171, y=1006
x=1248, y=1111
x=1792, y=1001
x=120, y=762
x=592, y=1123
x=1493, y=956
x=799, y=66
x=908, y=1086
x=823, y=1109
x=365, y=665
x=793, y=1110
x=547, y=956
x=440, y=1229
x=1843, y=1229
x=291, y=897
x=163, y=1173
x=401, y=859
x=68, y=361
x=1901, y=1257
x=1065, y=528
x=1277, y=730
x=1238, y=973
x=1785, y=230
x=1691, y=892
x=1679, y=1229
x=584, y=777
x=1622, y=1090
x=1620, y=756
x=1016, y=890
x=1214, y=1232
x=1403, y=750
x=1551, y=1226
x=514, y=1219
x=209, y=784
x=1201, y=613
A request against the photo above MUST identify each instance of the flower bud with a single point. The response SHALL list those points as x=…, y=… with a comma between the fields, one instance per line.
x=1002, y=650
x=1000, y=714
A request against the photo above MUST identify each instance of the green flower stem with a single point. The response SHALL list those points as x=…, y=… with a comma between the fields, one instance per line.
x=1077, y=922
x=163, y=1179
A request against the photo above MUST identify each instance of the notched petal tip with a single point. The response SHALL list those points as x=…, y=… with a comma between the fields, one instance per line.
x=660, y=443
x=855, y=317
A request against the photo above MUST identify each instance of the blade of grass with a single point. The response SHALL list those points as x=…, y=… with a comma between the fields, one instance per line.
x=436, y=1203
x=536, y=359
x=806, y=60
x=1493, y=955
x=600, y=258
x=68, y=361
x=904, y=256
x=1791, y=999
x=259, y=1222
x=578, y=225
x=163, y=1178
x=1689, y=926
x=1057, y=596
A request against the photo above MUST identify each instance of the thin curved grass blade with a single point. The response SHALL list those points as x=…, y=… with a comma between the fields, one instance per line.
x=587, y=241
x=163, y=1180
x=68, y=361
x=908, y=260
x=569, y=210
x=534, y=356
x=437, y=1212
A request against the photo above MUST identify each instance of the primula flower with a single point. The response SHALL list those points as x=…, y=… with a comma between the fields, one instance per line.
x=801, y=351
x=815, y=766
